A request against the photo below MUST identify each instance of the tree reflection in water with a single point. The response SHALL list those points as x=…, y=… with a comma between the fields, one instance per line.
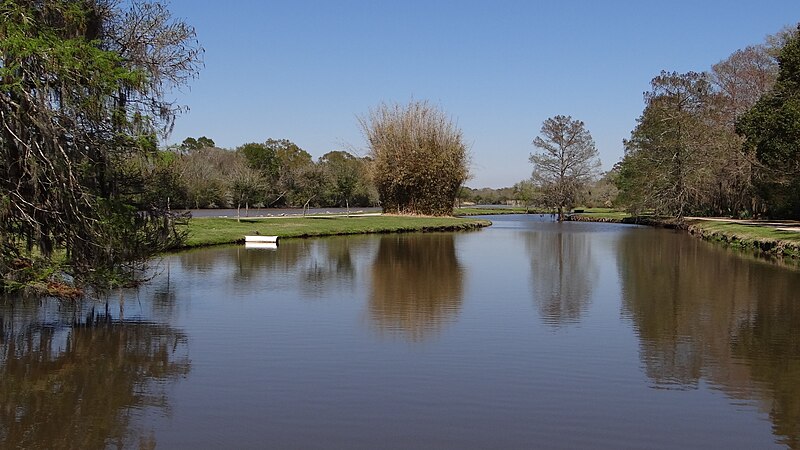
x=72, y=378
x=416, y=284
x=562, y=272
x=703, y=315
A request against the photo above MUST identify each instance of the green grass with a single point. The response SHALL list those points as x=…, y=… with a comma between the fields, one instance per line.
x=753, y=236
x=746, y=231
x=603, y=213
x=213, y=231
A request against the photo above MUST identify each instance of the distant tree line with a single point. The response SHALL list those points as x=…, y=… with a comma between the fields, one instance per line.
x=273, y=173
x=724, y=142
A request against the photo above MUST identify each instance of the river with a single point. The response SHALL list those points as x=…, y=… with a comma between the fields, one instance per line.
x=527, y=334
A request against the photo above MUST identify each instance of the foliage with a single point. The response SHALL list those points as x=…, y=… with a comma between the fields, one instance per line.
x=345, y=179
x=486, y=195
x=603, y=192
x=772, y=130
x=191, y=144
x=669, y=155
x=566, y=163
x=261, y=157
x=684, y=157
x=82, y=92
x=245, y=184
x=525, y=192
x=419, y=160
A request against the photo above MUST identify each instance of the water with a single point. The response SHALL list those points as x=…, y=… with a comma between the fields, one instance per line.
x=527, y=334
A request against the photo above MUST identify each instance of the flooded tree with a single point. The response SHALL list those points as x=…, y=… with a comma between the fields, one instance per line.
x=566, y=163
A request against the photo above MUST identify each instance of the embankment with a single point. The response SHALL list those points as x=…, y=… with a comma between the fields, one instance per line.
x=768, y=238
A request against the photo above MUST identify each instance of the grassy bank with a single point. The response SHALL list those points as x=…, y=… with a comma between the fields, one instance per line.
x=600, y=215
x=768, y=237
x=781, y=239
x=213, y=231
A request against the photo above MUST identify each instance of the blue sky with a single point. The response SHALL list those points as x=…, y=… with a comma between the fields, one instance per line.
x=305, y=70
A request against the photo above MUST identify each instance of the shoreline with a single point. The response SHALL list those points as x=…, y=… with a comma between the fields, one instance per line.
x=207, y=231
x=766, y=238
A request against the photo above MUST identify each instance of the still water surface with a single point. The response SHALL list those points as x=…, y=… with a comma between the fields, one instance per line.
x=529, y=334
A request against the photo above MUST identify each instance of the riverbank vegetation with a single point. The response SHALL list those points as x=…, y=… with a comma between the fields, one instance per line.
x=83, y=101
x=775, y=238
x=720, y=143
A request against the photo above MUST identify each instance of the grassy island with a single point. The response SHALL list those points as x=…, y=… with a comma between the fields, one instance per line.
x=213, y=231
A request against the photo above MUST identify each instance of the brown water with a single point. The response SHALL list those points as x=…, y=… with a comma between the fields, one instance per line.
x=527, y=334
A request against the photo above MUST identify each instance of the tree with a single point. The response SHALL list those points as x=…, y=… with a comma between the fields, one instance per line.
x=671, y=154
x=191, y=144
x=261, y=157
x=343, y=173
x=82, y=91
x=309, y=183
x=567, y=162
x=245, y=185
x=292, y=163
x=771, y=128
x=525, y=192
x=740, y=80
x=419, y=158
x=203, y=172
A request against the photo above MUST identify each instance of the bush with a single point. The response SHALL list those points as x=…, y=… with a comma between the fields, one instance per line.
x=419, y=160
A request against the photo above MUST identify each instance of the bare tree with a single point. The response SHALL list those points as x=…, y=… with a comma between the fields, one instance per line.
x=740, y=80
x=567, y=161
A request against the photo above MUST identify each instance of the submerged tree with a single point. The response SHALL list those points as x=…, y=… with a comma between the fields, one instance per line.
x=419, y=158
x=567, y=162
x=82, y=91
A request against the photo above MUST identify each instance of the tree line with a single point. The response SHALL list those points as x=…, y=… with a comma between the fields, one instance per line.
x=725, y=142
x=274, y=173
x=722, y=142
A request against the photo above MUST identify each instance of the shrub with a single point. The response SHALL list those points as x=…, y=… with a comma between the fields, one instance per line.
x=419, y=160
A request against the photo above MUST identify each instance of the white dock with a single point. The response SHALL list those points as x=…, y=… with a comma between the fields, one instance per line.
x=268, y=242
